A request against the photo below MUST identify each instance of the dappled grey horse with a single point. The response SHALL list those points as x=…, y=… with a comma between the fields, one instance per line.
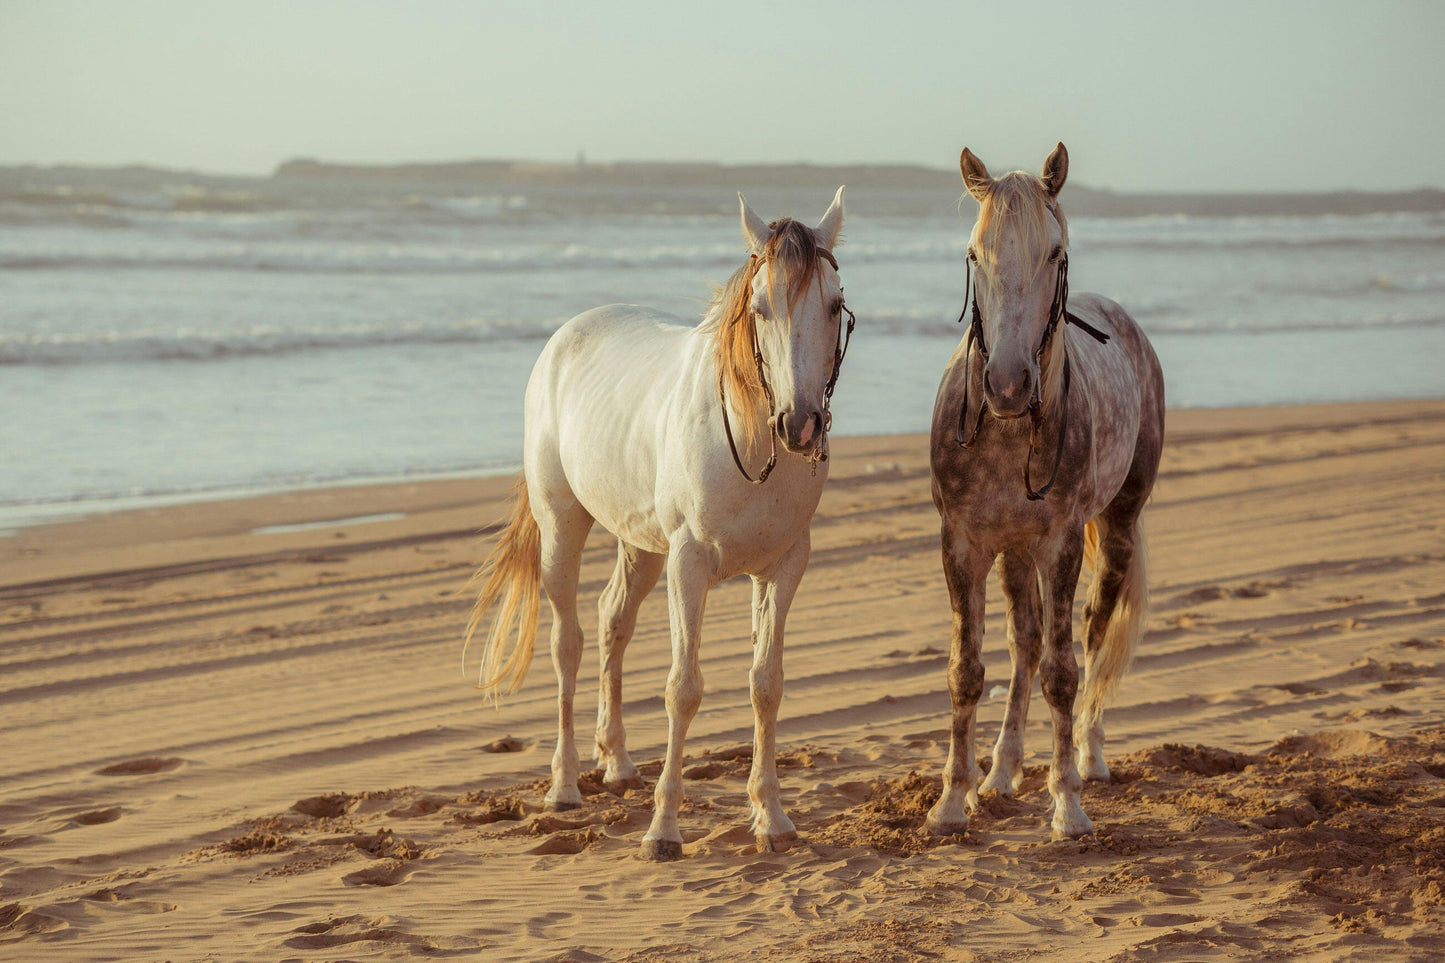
x=1046, y=438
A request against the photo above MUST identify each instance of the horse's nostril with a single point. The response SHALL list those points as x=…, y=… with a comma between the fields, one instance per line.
x=809, y=429
x=1016, y=388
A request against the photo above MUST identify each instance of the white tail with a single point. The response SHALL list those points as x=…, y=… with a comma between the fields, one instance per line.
x=1106, y=665
x=513, y=569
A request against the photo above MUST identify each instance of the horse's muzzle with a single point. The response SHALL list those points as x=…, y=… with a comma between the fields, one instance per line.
x=1011, y=399
x=800, y=432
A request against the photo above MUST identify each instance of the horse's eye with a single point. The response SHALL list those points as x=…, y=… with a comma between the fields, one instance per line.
x=1054, y=254
x=973, y=256
x=837, y=307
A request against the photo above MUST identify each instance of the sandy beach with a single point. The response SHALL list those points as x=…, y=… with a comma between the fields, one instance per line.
x=231, y=733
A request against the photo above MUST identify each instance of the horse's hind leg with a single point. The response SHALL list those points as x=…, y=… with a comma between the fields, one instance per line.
x=1061, y=682
x=772, y=597
x=1021, y=592
x=635, y=575
x=1116, y=556
x=564, y=525
x=1118, y=604
x=966, y=570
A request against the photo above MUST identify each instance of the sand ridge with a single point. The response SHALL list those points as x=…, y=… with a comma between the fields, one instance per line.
x=262, y=746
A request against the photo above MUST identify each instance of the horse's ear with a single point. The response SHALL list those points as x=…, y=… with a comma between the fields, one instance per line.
x=975, y=176
x=1056, y=170
x=831, y=225
x=755, y=229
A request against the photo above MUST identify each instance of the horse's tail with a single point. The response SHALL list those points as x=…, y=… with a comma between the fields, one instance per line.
x=513, y=574
x=1105, y=666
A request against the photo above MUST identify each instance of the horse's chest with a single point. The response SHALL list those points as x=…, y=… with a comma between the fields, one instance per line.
x=982, y=492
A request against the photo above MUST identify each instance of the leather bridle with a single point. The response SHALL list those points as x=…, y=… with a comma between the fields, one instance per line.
x=1058, y=312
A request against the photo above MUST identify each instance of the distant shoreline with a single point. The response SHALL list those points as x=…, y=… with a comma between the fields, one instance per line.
x=1082, y=199
x=628, y=175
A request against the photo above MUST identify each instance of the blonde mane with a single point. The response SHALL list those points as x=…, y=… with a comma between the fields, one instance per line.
x=791, y=247
x=1018, y=205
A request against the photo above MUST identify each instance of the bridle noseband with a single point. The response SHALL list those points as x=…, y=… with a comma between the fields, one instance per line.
x=820, y=453
x=1058, y=311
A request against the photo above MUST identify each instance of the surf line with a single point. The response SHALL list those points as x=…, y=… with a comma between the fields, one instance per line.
x=328, y=523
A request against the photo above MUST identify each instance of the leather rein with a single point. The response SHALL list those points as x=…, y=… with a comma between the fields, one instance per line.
x=1058, y=311
x=820, y=453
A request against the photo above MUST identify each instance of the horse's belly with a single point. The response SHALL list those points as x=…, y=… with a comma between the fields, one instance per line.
x=631, y=518
x=610, y=462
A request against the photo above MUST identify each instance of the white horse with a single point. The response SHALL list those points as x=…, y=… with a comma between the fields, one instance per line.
x=631, y=420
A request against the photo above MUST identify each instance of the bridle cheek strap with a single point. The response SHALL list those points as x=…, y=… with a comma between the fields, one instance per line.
x=820, y=453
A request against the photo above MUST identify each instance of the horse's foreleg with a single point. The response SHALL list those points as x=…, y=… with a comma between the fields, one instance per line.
x=1021, y=592
x=563, y=536
x=771, y=598
x=689, y=576
x=1061, y=683
x=966, y=570
x=634, y=577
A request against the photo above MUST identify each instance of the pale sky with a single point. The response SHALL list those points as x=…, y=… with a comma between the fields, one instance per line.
x=1147, y=96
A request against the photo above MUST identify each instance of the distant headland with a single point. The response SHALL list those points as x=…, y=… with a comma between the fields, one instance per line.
x=1082, y=199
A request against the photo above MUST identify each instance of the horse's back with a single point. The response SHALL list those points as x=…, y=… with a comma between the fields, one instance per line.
x=1125, y=388
x=604, y=363
x=1124, y=332
x=592, y=409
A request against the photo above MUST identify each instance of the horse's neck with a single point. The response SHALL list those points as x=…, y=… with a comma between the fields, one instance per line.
x=706, y=350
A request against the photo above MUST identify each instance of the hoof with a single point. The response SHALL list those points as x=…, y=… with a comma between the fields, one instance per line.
x=620, y=786
x=560, y=806
x=661, y=850
x=1073, y=828
x=1004, y=787
x=780, y=843
x=951, y=828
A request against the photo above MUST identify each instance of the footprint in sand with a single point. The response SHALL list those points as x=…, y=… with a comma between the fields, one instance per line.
x=352, y=929
x=388, y=873
x=328, y=806
x=113, y=896
x=105, y=895
x=18, y=922
x=424, y=806
x=96, y=817
x=565, y=844
x=506, y=744
x=1205, y=593
x=141, y=767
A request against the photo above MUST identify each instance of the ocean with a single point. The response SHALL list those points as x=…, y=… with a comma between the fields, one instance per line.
x=170, y=336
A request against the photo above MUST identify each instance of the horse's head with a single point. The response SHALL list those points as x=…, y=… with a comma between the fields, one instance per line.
x=794, y=304
x=1016, y=251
